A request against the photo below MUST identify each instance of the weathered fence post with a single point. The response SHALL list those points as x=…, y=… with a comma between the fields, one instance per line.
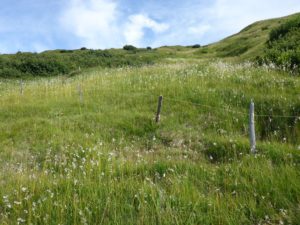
x=158, y=109
x=21, y=87
x=252, y=128
x=80, y=93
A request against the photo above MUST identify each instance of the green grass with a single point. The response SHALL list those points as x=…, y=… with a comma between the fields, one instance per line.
x=245, y=45
x=101, y=159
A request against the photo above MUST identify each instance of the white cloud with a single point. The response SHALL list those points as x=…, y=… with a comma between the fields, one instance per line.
x=134, y=29
x=100, y=24
x=3, y=49
x=39, y=47
x=113, y=23
x=211, y=22
x=199, y=30
x=94, y=22
x=229, y=16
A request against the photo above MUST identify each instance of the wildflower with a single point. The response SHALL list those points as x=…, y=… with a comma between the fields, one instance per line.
x=20, y=220
x=267, y=217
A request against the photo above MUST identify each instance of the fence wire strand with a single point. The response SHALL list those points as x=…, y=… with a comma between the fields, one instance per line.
x=231, y=110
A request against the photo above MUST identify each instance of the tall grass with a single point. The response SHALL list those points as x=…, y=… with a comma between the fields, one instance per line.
x=99, y=158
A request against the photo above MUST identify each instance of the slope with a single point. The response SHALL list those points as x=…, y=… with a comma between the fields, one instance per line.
x=248, y=43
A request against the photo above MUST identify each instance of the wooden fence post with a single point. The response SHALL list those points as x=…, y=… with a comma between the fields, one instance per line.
x=158, y=109
x=252, y=128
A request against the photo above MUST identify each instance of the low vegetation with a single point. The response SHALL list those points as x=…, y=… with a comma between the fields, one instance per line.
x=283, y=47
x=256, y=39
x=69, y=62
x=86, y=149
x=79, y=144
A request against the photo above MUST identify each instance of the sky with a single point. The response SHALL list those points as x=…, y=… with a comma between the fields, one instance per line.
x=38, y=25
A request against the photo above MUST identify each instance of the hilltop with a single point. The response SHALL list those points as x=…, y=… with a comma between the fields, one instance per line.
x=248, y=43
x=84, y=148
x=245, y=45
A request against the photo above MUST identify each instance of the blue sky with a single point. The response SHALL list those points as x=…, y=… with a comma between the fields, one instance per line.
x=38, y=25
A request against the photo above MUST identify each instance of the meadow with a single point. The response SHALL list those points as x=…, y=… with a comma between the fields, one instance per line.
x=86, y=149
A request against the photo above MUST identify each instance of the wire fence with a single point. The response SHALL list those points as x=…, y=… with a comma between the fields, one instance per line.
x=250, y=115
x=112, y=97
x=229, y=110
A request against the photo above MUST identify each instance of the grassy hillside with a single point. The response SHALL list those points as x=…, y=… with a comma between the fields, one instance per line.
x=245, y=45
x=86, y=150
x=79, y=144
x=248, y=43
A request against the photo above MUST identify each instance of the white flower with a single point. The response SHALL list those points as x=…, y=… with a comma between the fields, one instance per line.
x=20, y=220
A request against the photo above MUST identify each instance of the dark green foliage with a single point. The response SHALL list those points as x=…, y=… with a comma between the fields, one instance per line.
x=42, y=66
x=10, y=72
x=66, y=62
x=277, y=127
x=234, y=49
x=149, y=48
x=196, y=46
x=65, y=51
x=129, y=47
x=284, y=29
x=283, y=46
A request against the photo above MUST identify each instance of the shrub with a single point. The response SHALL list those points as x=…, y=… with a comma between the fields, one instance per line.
x=284, y=29
x=10, y=73
x=129, y=47
x=65, y=51
x=149, y=48
x=59, y=62
x=283, y=46
x=196, y=46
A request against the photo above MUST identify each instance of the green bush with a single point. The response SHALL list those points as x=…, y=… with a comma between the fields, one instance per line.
x=63, y=62
x=283, y=46
x=234, y=49
x=284, y=29
x=10, y=73
x=196, y=46
x=129, y=47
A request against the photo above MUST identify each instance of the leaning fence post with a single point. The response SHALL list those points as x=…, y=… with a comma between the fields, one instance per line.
x=252, y=128
x=158, y=109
